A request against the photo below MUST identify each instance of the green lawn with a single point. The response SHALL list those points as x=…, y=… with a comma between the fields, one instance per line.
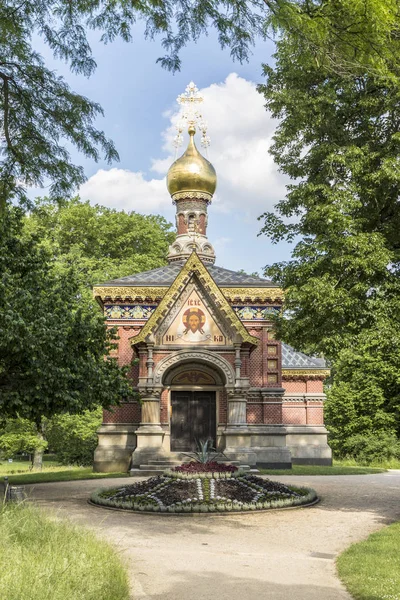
x=371, y=569
x=336, y=469
x=42, y=559
x=18, y=472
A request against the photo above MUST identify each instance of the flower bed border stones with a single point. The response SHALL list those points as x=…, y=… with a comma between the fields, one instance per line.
x=165, y=494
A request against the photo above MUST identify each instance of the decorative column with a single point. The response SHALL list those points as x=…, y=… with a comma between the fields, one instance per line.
x=149, y=435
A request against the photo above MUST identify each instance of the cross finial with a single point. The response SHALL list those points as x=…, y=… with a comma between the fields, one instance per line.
x=190, y=115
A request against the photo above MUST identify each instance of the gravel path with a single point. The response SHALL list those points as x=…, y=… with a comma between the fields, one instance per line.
x=267, y=556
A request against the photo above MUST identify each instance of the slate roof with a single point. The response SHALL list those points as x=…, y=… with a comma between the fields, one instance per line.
x=166, y=275
x=291, y=359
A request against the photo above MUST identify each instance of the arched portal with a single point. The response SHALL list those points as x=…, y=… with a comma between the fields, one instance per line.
x=196, y=382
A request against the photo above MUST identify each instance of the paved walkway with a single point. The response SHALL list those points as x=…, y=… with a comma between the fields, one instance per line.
x=266, y=556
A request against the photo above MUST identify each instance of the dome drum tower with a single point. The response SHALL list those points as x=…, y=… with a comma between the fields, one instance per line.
x=191, y=181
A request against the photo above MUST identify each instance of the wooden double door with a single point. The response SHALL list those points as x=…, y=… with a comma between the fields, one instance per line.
x=193, y=419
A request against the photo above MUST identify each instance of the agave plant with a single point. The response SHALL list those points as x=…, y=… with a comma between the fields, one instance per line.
x=205, y=452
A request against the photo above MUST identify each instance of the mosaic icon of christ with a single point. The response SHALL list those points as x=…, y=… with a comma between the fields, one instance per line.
x=193, y=320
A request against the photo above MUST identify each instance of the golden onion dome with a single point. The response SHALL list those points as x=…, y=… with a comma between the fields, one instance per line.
x=192, y=172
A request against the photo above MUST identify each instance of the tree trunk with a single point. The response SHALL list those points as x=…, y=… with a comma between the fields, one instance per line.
x=38, y=452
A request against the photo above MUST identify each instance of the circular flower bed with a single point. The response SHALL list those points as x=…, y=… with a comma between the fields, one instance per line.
x=204, y=492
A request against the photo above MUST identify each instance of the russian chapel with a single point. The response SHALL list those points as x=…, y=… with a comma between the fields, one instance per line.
x=200, y=343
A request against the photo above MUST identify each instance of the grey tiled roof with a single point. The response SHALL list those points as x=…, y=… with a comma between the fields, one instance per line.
x=291, y=359
x=166, y=275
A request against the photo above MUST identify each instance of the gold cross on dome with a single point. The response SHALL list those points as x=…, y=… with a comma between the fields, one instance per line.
x=190, y=115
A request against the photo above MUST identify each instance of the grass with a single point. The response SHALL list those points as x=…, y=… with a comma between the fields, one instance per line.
x=371, y=569
x=19, y=473
x=337, y=469
x=386, y=464
x=41, y=559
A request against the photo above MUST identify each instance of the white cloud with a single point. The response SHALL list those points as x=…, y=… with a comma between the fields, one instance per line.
x=123, y=189
x=240, y=131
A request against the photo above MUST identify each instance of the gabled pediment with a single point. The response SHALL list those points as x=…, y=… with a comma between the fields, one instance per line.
x=194, y=312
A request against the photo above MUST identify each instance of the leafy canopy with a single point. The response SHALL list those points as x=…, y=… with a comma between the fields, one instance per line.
x=101, y=243
x=53, y=352
x=338, y=140
x=40, y=114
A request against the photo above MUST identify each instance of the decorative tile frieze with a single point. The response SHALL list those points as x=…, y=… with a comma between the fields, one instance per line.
x=256, y=313
x=128, y=311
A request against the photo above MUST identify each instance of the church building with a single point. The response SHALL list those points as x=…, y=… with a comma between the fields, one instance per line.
x=203, y=356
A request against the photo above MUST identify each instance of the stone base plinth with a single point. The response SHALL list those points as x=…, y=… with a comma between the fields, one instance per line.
x=149, y=444
x=115, y=447
x=309, y=445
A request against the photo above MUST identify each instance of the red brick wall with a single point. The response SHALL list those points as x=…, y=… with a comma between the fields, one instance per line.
x=294, y=386
x=223, y=407
x=182, y=227
x=256, y=361
x=164, y=417
x=202, y=224
x=127, y=413
x=254, y=413
x=315, y=386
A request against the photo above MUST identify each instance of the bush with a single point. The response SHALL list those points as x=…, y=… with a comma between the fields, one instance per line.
x=40, y=558
x=19, y=435
x=374, y=447
x=73, y=438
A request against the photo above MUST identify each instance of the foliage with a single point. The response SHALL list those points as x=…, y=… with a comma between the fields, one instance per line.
x=338, y=142
x=73, y=438
x=371, y=568
x=338, y=139
x=102, y=243
x=365, y=396
x=205, y=453
x=51, y=351
x=376, y=447
x=41, y=558
x=19, y=435
x=39, y=112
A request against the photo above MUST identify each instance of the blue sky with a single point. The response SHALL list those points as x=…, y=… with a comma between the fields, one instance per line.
x=139, y=100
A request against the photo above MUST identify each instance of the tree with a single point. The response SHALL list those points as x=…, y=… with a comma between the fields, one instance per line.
x=39, y=113
x=338, y=140
x=53, y=354
x=363, y=403
x=100, y=242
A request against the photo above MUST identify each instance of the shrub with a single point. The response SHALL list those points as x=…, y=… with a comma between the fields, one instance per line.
x=19, y=435
x=73, y=438
x=375, y=447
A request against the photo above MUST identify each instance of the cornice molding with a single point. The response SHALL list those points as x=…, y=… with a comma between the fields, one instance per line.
x=132, y=292
x=305, y=373
x=195, y=266
x=246, y=294
x=243, y=295
x=191, y=195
